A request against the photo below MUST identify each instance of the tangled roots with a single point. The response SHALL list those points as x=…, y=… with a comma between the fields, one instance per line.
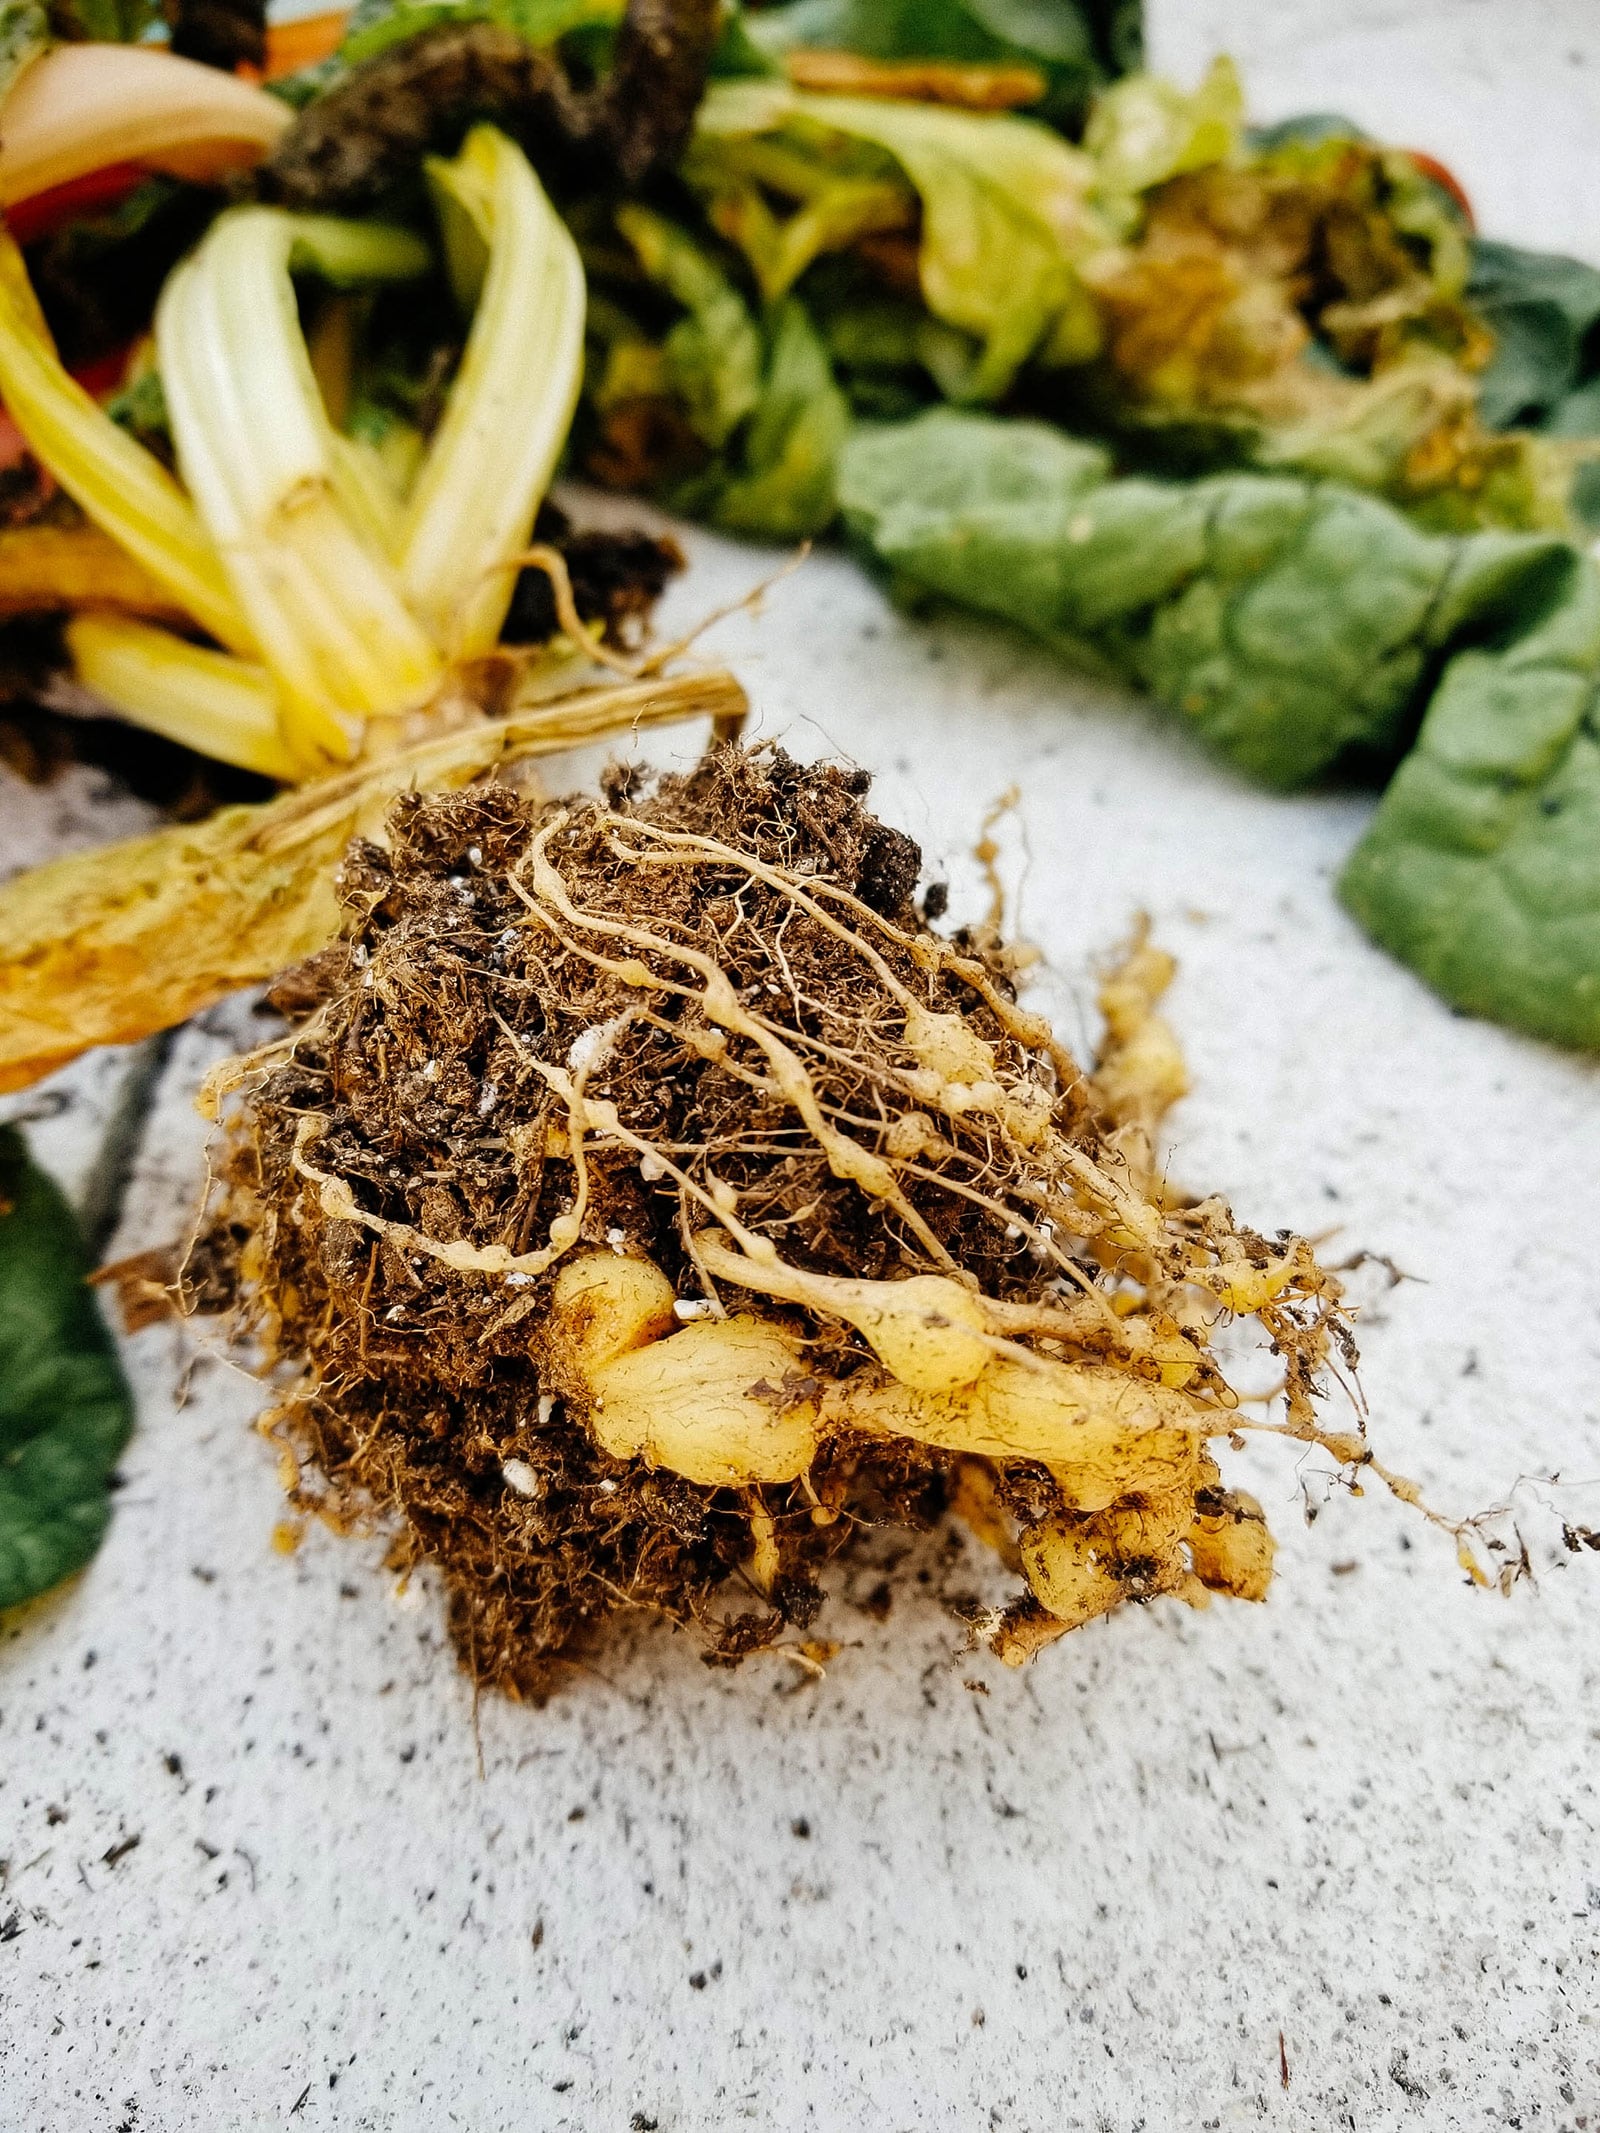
x=650, y=1199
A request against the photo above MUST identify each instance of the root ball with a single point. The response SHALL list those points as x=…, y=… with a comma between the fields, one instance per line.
x=648, y=1201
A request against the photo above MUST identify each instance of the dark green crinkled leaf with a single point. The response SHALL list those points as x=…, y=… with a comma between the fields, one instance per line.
x=1294, y=623
x=1291, y=622
x=1482, y=868
x=65, y=1409
x=1544, y=311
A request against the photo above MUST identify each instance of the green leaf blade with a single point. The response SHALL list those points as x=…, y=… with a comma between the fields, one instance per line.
x=65, y=1409
x=1482, y=867
x=1296, y=627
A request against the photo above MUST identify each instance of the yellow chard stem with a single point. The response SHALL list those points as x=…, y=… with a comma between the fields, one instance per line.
x=260, y=458
x=120, y=485
x=472, y=510
x=224, y=707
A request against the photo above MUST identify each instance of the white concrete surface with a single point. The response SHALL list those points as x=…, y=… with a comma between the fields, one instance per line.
x=1352, y=1834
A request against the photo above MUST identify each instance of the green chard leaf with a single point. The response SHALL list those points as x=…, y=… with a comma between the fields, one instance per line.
x=1075, y=45
x=1482, y=867
x=1296, y=626
x=1543, y=310
x=65, y=1408
x=1292, y=623
x=758, y=392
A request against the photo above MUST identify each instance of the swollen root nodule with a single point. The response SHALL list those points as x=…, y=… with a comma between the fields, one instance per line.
x=651, y=1200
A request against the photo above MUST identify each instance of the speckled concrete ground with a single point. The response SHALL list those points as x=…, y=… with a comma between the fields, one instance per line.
x=1329, y=1863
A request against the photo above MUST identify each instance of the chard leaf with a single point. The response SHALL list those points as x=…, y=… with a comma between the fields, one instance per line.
x=1291, y=623
x=1482, y=867
x=1543, y=309
x=1298, y=626
x=1005, y=207
x=65, y=1409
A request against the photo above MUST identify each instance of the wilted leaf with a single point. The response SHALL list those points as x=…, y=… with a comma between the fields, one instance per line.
x=109, y=945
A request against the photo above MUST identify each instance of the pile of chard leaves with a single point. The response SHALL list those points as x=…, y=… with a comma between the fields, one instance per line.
x=65, y=1409
x=1253, y=419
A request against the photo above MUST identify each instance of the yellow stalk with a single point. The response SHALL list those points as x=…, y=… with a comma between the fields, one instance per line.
x=47, y=569
x=210, y=701
x=263, y=463
x=471, y=512
x=120, y=485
